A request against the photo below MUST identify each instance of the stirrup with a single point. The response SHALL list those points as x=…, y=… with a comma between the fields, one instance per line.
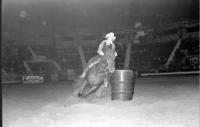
x=82, y=75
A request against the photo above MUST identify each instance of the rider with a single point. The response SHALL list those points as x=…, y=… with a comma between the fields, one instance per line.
x=108, y=43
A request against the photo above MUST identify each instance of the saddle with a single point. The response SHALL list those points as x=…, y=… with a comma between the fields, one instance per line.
x=96, y=60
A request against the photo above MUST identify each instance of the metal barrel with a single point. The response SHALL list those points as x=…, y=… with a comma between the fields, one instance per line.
x=122, y=85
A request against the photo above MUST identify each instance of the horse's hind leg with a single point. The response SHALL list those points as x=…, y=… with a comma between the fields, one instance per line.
x=77, y=86
x=100, y=90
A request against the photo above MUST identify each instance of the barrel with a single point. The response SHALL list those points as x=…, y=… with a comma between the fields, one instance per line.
x=122, y=85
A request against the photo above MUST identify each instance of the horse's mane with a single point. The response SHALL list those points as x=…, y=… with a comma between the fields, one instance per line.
x=100, y=66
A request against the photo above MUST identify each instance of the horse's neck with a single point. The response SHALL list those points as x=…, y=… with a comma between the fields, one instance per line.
x=98, y=68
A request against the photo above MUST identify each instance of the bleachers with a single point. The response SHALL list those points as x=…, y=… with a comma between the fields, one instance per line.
x=44, y=50
x=68, y=57
x=13, y=57
x=191, y=45
x=144, y=57
x=39, y=66
x=148, y=57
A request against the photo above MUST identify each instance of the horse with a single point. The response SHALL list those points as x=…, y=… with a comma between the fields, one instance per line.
x=97, y=75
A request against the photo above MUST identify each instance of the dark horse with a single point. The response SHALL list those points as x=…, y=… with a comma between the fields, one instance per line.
x=97, y=75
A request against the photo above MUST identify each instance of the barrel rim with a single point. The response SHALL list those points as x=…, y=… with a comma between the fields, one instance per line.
x=122, y=92
x=119, y=81
x=124, y=70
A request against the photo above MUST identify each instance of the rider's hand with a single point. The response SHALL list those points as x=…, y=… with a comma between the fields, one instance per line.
x=101, y=53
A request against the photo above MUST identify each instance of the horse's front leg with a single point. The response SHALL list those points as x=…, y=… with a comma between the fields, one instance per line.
x=82, y=87
x=107, y=80
x=92, y=89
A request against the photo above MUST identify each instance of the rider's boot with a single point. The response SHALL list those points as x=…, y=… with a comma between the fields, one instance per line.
x=82, y=75
x=91, y=64
x=86, y=69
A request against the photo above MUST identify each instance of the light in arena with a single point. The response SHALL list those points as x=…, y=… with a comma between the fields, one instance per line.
x=44, y=22
x=23, y=14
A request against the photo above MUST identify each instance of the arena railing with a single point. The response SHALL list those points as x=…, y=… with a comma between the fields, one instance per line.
x=171, y=73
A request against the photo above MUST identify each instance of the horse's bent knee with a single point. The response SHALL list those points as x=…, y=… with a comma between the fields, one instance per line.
x=79, y=94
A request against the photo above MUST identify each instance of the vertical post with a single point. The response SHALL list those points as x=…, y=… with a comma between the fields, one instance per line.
x=81, y=52
x=127, y=57
x=128, y=53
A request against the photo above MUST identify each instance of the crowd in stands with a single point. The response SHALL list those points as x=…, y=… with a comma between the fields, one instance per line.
x=13, y=57
x=186, y=57
x=68, y=58
x=150, y=58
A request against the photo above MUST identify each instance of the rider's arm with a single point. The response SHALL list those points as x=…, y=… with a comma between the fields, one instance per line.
x=100, y=48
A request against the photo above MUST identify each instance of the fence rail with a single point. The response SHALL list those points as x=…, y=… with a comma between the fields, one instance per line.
x=170, y=73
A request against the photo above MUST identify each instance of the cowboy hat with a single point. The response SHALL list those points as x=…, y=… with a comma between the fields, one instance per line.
x=110, y=35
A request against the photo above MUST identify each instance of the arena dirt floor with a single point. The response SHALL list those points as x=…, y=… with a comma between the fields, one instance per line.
x=168, y=101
